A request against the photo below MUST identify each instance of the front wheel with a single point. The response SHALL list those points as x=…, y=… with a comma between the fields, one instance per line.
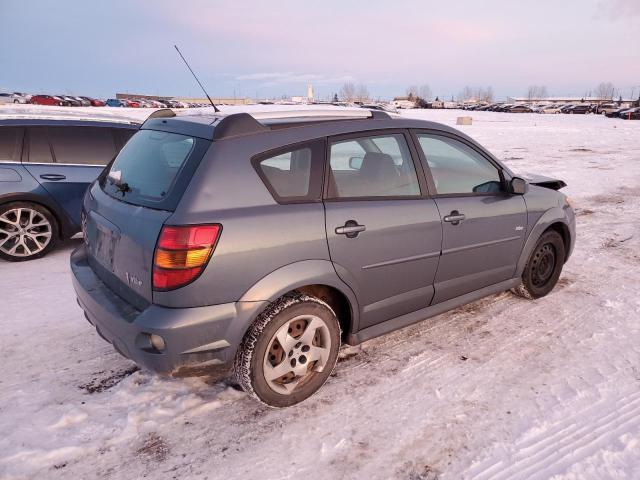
x=27, y=231
x=289, y=351
x=542, y=271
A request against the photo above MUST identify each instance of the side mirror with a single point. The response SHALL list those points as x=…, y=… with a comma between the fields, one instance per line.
x=518, y=186
x=355, y=163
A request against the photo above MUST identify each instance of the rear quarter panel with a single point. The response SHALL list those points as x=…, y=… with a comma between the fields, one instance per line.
x=258, y=235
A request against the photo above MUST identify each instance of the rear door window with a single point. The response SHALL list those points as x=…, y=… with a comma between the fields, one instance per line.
x=154, y=168
x=82, y=145
x=372, y=166
x=39, y=149
x=10, y=144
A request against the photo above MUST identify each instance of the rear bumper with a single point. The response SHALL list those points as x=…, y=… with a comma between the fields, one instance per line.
x=196, y=339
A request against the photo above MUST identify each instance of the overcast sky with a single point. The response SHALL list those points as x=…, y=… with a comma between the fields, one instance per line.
x=270, y=48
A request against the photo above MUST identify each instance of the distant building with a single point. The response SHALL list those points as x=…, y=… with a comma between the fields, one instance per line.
x=404, y=102
x=310, y=95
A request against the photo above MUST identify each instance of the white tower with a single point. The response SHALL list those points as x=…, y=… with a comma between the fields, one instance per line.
x=310, y=93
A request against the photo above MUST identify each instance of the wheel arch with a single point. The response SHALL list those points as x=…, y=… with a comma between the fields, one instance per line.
x=564, y=232
x=65, y=229
x=313, y=277
x=553, y=219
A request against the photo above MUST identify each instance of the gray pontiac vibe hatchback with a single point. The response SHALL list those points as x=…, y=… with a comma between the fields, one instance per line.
x=260, y=242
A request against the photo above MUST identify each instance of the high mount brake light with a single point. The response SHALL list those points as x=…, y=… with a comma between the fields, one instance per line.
x=182, y=253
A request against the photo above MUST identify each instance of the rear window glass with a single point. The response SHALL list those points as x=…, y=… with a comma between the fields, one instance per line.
x=150, y=165
x=289, y=173
x=82, y=145
x=294, y=174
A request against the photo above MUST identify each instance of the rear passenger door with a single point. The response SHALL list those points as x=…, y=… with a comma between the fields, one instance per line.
x=384, y=233
x=483, y=226
x=65, y=160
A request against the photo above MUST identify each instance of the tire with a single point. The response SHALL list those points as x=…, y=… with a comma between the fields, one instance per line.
x=542, y=271
x=27, y=231
x=261, y=356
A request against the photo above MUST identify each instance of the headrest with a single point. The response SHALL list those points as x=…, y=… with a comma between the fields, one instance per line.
x=374, y=164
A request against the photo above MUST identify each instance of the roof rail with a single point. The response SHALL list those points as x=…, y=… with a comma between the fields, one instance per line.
x=326, y=113
x=246, y=123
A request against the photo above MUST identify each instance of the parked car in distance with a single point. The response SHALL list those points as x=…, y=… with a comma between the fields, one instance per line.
x=22, y=97
x=553, y=108
x=6, y=98
x=70, y=101
x=581, y=108
x=94, y=102
x=83, y=101
x=605, y=108
x=351, y=224
x=45, y=168
x=46, y=100
x=520, y=109
x=630, y=114
x=115, y=102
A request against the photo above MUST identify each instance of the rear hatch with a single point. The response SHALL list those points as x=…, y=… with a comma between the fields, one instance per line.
x=129, y=204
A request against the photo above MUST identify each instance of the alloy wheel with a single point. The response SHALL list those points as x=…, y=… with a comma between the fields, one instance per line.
x=24, y=232
x=299, y=348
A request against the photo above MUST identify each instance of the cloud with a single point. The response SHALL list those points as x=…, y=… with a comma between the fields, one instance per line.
x=619, y=9
x=282, y=78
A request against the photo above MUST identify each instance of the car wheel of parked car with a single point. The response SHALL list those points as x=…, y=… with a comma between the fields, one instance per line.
x=543, y=268
x=27, y=231
x=289, y=351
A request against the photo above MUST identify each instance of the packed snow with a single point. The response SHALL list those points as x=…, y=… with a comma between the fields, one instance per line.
x=503, y=388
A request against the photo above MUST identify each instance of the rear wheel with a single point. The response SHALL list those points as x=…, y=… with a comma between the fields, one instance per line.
x=289, y=351
x=27, y=231
x=543, y=269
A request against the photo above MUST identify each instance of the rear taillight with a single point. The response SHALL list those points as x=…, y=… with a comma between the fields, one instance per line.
x=182, y=253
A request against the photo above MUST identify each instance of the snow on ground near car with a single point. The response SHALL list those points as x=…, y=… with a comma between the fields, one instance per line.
x=503, y=388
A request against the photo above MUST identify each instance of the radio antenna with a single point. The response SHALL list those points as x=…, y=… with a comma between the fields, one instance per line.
x=194, y=76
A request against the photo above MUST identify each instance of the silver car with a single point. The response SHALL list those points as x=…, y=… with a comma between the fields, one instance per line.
x=14, y=97
x=262, y=242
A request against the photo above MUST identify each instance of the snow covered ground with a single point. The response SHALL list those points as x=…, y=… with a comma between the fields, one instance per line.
x=503, y=388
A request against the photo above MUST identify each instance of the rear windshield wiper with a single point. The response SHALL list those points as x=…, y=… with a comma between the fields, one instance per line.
x=115, y=178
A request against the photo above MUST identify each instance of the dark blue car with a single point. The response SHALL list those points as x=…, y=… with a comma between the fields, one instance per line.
x=45, y=169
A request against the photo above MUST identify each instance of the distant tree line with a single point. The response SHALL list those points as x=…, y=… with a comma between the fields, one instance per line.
x=479, y=94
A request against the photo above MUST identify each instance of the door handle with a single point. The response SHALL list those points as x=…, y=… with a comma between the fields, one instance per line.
x=53, y=176
x=351, y=229
x=455, y=217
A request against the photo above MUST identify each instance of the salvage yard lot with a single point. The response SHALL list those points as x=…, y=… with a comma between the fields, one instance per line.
x=502, y=388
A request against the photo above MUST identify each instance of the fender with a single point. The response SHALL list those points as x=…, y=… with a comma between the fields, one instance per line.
x=300, y=274
x=551, y=216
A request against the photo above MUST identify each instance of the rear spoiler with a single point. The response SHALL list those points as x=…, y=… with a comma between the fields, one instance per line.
x=546, y=182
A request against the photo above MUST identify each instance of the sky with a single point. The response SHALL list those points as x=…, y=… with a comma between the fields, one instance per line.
x=272, y=48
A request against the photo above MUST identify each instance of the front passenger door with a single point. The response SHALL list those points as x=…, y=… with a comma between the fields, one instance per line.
x=483, y=226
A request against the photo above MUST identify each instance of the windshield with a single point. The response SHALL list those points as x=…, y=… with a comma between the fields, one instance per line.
x=147, y=169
